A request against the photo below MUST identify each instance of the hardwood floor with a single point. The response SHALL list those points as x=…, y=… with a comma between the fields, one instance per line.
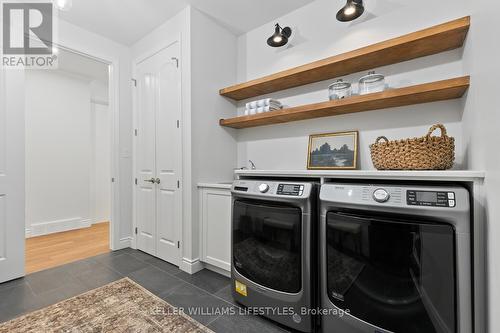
x=65, y=247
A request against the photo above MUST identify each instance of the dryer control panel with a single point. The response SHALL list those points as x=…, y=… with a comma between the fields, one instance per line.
x=416, y=197
x=430, y=198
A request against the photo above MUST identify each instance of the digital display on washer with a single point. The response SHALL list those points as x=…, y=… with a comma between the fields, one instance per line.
x=427, y=196
x=290, y=189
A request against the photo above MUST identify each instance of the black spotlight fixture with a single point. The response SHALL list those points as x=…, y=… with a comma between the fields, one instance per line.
x=351, y=11
x=280, y=36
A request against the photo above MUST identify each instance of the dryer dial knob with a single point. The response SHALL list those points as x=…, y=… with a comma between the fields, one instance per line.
x=381, y=195
x=263, y=188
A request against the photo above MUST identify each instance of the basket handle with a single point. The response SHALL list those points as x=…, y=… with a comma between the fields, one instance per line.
x=444, y=134
x=381, y=138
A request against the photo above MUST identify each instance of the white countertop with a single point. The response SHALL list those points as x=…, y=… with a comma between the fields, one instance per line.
x=221, y=185
x=446, y=175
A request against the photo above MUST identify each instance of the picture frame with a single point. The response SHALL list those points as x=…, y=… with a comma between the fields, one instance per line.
x=333, y=151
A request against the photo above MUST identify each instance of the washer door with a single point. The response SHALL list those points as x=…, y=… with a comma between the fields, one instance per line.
x=397, y=274
x=267, y=243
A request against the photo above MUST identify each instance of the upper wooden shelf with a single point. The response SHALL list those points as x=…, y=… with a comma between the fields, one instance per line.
x=422, y=93
x=440, y=38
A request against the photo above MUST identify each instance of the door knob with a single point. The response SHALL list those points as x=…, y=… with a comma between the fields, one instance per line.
x=157, y=180
x=152, y=180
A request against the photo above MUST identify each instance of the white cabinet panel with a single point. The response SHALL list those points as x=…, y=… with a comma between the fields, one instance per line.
x=216, y=227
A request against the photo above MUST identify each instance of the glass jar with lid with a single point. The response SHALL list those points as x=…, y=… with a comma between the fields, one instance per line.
x=371, y=83
x=339, y=89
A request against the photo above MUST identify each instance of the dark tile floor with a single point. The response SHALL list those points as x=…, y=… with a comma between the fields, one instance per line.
x=205, y=289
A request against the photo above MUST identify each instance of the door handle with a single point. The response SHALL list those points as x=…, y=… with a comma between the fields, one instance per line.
x=153, y=180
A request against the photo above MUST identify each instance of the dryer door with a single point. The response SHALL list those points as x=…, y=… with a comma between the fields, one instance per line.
x=267, y=244
x=394, y=273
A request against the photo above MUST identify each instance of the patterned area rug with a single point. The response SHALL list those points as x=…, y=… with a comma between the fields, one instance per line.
x=122, y=306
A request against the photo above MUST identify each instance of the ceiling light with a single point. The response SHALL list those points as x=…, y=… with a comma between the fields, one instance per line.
x=64, y=5
x=351, y=11
x=280, y=36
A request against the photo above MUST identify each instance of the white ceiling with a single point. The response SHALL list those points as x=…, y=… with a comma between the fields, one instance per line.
x=126, y=21
x=241, y=16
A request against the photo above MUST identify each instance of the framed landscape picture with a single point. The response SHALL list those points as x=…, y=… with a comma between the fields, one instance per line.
x=333, y=151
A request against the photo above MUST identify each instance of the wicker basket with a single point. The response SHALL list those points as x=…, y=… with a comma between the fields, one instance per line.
x=425, y=153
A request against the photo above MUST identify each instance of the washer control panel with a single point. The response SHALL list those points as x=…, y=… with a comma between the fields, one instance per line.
x=290, y=189
x=430, y=198
x=267, y=188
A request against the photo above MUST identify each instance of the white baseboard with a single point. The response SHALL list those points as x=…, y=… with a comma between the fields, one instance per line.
x=100, y=221
x=191, y=266
x=50, y=227
x=218, y=270
x=124, y=243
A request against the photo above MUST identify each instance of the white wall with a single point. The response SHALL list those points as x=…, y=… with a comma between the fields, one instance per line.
x=317, y=34
x=102, y=162
x=101, y=144
x=86, y=42
x=99, y=92
x=214, y=150
x=68, y=152
x=58, y=152
x=481, y=121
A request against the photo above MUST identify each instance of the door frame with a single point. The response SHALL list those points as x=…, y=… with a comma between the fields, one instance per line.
x=115, y=243
x=135, y=110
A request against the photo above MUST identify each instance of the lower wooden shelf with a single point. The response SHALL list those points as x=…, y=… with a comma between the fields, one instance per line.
x=422, y=93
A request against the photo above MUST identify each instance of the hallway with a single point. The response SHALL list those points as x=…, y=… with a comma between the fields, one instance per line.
x=61, y=248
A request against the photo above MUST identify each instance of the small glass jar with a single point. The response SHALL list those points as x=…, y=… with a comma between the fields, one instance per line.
x=371, y=83
x=339, y=90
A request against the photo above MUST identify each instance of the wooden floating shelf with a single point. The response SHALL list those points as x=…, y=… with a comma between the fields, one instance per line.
x=440, y=38
x=422, y=93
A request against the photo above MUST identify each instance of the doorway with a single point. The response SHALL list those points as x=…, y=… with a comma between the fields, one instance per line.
x=68, y=147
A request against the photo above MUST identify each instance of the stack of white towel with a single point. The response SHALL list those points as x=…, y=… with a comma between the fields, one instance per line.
x=262, y=105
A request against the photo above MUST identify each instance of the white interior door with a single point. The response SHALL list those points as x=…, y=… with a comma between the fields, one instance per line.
x=12, y=224
x=145, y=162
x=159, y=155
x=168, y=154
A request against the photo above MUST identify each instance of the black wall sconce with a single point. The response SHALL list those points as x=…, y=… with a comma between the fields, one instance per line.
x=351, y=11
x=280, y=36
